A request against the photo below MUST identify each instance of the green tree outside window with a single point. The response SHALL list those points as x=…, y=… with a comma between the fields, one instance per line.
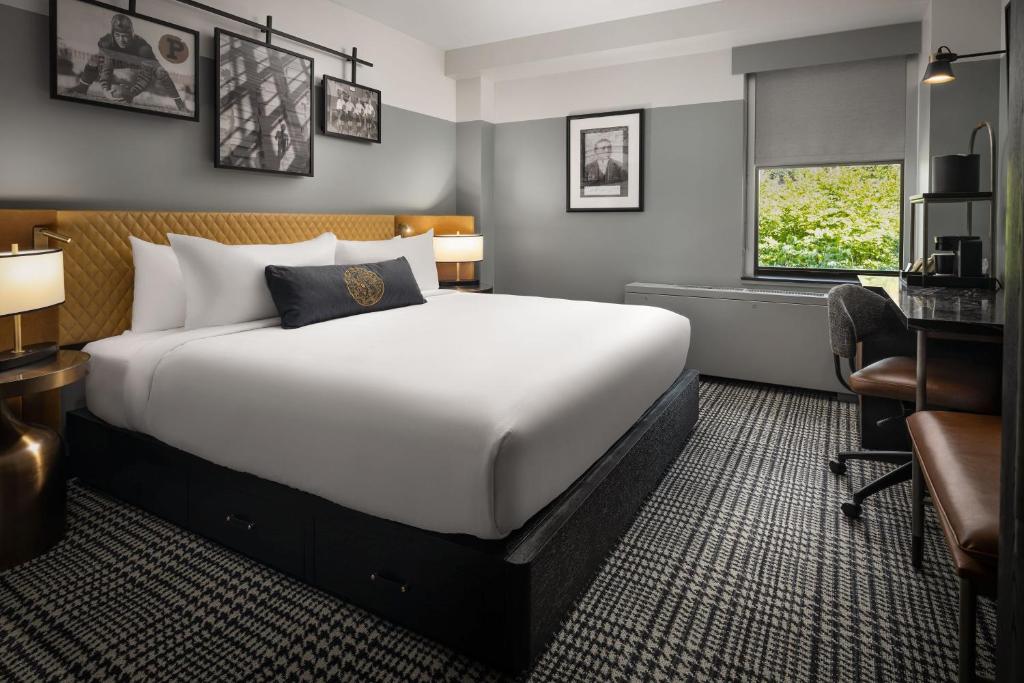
x=829, y=217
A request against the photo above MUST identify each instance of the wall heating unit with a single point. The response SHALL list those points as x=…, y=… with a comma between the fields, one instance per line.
x=761, y=335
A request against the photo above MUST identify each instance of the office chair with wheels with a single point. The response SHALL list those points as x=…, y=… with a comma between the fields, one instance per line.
x=856, y=314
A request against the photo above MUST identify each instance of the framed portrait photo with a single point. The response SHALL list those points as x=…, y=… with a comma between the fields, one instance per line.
x=351, y=111
x=264, y=107
x=107, y=56
x=605, y=161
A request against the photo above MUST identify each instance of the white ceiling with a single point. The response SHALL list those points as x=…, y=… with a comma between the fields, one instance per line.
x=508, y=39
x=450, y=24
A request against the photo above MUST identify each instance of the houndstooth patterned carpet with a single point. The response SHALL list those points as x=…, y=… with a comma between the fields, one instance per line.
x=739, y=567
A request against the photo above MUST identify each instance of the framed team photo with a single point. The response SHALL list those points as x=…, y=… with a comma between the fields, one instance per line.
x=264, y=107
x=605, y=161
x=351, y=111
x=107, y=56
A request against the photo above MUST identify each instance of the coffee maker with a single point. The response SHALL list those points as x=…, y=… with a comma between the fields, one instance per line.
x=958, y=255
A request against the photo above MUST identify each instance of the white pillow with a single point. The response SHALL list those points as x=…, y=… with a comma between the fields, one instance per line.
x=159, y=301
x=418, y=250
x=225, y=284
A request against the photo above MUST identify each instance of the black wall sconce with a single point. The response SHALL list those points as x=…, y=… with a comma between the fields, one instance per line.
x=940, y=66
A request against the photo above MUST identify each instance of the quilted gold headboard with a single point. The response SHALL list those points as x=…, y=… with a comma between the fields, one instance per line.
x=98, y=262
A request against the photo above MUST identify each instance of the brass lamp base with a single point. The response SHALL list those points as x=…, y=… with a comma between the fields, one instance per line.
x=33, y=353
x=33, y=492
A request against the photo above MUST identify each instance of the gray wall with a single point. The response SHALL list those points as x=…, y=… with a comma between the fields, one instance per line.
x=58, y=154
x=1003, y=155
x=829, y=48
x=691, y=229
x=474, y=184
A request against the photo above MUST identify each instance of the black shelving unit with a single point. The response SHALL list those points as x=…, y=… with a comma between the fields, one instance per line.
x=924, y=200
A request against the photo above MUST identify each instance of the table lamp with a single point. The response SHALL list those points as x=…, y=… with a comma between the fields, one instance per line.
x=30, y=280
x=458, y=249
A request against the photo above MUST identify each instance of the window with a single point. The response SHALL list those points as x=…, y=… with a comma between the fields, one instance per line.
x=828, y=146
x=834, y=218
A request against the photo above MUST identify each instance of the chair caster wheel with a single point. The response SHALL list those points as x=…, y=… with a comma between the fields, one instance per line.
x=851, y=510
x=837, y=467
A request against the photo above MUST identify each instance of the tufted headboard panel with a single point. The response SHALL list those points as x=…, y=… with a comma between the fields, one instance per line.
x=98, y=262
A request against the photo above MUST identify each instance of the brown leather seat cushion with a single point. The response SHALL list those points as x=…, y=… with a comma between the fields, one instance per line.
x=953, y=384
x=960, y=455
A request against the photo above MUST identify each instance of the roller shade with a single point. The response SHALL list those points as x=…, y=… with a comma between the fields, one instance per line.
x=855, y=111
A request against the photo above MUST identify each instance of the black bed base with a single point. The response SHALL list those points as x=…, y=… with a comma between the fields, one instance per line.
x=497, y=601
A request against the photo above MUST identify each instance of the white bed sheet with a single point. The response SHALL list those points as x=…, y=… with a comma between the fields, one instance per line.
x=390, y=414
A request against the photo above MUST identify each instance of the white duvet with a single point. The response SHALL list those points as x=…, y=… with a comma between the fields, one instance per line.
x=466, y=414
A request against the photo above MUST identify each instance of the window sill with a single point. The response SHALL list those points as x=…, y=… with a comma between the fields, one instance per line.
x=803, y=280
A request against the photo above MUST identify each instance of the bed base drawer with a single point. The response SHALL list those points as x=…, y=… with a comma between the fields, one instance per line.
x=442, y=591
x=253, y=522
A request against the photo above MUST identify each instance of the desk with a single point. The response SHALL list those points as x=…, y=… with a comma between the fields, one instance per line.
x=975, y=312
x=947, y=312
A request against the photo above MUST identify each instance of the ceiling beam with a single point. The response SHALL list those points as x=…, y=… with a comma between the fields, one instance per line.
x=713, y=26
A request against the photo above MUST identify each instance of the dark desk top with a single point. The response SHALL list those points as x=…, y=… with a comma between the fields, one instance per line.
x=946, y=309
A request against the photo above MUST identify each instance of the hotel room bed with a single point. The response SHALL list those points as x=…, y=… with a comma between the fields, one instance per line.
x=380, y=414
x=460, y=467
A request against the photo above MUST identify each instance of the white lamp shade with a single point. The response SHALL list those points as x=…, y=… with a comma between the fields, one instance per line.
x=458, y=248
x=30, y=280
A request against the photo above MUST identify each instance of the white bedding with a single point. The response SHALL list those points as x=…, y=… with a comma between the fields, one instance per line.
x=390, y=414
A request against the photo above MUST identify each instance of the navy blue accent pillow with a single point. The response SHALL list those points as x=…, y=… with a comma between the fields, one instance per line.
x=305, y=295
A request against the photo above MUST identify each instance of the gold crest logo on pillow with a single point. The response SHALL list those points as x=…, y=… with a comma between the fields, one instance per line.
x=364, y=285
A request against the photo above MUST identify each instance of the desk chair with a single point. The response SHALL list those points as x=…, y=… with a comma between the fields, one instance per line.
x=856, y=314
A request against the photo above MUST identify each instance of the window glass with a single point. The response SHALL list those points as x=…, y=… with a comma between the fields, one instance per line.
x=829, y=218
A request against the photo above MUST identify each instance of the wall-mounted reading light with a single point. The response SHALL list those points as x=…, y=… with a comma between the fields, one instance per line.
x=940, y=66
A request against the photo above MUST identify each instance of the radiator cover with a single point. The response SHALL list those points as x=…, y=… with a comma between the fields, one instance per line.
x=761, y=335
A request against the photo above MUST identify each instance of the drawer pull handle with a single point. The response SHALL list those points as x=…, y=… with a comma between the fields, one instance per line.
x=240, y=522
x=402, y=587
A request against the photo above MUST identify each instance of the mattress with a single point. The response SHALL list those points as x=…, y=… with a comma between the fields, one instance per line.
x=467, y=414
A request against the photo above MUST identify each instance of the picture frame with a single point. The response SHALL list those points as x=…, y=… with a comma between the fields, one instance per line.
x=356, y=117
x=248, y=137
x=604, y=161
x=107, y=56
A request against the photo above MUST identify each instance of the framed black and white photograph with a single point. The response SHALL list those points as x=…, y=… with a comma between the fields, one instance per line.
x=351, y=111
x=104, y=55
x=264, y=107
x=604, y=161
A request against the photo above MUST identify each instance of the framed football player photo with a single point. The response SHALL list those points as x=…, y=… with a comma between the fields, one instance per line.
x=605, y=161
x=264, y=107
x=107, y=56
x=350, y=111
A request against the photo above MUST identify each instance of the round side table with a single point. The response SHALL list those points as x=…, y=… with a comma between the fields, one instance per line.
x=33, y=490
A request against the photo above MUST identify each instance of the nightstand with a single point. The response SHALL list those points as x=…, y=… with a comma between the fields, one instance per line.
x=474, y=287
x=33, y=490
